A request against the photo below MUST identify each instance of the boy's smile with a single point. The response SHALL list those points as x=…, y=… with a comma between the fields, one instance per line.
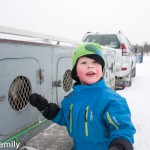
x=88, y=70
x=90, y=73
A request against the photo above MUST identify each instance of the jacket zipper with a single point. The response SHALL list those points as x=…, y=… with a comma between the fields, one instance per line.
x=111, y=121
x=86, y=120
x=70, y=117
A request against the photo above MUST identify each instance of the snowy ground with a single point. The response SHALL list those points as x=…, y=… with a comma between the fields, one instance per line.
x=56, y=138
x=138, y=97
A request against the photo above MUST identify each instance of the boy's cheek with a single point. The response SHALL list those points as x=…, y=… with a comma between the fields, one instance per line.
x=80, y=73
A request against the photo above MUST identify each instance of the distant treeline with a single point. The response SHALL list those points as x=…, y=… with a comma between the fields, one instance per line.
x=143, y=48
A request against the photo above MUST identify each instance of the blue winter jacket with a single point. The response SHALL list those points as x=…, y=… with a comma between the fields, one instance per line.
x=95, y=115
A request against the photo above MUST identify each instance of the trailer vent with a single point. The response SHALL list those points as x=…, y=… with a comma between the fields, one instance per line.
x=19, y=93
x=67, y=81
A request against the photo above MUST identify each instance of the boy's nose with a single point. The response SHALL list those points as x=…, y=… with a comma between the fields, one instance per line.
x=90, y=66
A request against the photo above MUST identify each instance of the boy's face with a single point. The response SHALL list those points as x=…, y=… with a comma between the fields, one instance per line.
x=88, y=70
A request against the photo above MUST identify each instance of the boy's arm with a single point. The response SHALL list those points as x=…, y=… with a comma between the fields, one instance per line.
x=49, y=110
x=118, y=120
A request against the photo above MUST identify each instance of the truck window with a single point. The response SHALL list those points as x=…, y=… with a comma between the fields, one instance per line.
x=109, y=40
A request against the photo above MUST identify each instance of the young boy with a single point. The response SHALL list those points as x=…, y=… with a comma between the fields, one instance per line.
x=96, y=117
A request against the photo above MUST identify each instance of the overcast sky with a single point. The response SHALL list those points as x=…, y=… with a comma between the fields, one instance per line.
x=73, y=18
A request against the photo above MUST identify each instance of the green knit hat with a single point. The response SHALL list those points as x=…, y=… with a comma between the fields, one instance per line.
x=90, y=50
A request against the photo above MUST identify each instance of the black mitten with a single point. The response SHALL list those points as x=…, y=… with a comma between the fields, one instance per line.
x=113, y=148
x=38, y=101
x=51, y=111
x=120, y=144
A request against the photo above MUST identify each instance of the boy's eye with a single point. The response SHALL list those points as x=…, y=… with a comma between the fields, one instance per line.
x=83, y=62
x=95, y=62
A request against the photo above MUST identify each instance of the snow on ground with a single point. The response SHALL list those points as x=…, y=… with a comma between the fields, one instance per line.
x=138, y=98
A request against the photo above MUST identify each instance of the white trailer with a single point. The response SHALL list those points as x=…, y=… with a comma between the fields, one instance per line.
x=35, y=63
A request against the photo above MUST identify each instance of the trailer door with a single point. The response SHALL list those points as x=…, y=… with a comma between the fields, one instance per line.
x=18, y=79
x=62, y=72
x=64, y=78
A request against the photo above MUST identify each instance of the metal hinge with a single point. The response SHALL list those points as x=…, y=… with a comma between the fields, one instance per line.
x=40, y=76
x=2, y=97
x=57, y=83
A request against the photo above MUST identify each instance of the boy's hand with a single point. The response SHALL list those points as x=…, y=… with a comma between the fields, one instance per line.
x=113, y=148
x=38, y=101
x=120, y=144
x=49, y=110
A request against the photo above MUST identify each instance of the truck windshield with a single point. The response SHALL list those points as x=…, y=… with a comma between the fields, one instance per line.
x=109, y=40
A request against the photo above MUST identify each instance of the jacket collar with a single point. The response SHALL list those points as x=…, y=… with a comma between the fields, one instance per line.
x=87, y=88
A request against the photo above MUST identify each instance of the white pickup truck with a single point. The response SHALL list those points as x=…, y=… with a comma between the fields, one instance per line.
x=125, y=62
